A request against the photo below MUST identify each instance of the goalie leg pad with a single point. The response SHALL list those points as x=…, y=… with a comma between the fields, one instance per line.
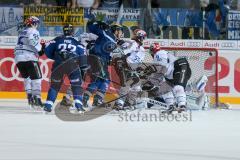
x=201, y=84
x=198, y=102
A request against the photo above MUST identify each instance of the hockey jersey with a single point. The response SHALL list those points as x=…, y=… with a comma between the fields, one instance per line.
x=105, y=43
x=166, y=59
x=62, y=48
x=137, y=54
x=28, y=45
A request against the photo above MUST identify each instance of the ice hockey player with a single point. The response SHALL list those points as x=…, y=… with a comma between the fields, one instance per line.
x=177, y=72
x=106, y=42
x=69, y=59
x=88, y=41
x=127, y=66
x=27, y=52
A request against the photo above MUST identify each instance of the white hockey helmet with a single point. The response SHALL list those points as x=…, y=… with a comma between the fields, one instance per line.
x=32, y=21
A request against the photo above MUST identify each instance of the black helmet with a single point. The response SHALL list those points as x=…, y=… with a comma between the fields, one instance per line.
x=115, y=27
x=68, y=30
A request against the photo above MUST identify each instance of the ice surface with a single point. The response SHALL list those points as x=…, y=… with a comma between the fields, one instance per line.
x=28, y=135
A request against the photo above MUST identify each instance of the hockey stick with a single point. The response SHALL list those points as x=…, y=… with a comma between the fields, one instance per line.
x=161, y=105
x=120, y=14
x=102, y=105
x=105, y=79
x=106, y=103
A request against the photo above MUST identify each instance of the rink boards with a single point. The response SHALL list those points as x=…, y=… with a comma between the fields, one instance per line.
x=228, y=67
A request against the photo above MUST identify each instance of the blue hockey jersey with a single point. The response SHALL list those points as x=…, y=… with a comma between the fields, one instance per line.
x=105, y=43
x=63, y=47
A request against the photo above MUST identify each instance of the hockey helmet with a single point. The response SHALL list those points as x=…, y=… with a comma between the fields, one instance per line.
x=68, y=30
x=116, y=27
x=154, y=48
x=32, y=20
x=140, y=35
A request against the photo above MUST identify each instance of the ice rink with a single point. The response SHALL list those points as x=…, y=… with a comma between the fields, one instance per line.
x=28, y=135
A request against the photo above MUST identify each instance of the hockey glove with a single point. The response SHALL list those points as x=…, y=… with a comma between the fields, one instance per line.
x=41, y=52
x=120, y=42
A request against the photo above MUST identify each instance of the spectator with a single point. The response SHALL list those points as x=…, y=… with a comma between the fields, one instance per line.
x=66, y=3
x=38, y=3
x=62, y=2
x=110, y=3
x=86, y=4
x=215, y=17
x=134, y=3
x=238, y=4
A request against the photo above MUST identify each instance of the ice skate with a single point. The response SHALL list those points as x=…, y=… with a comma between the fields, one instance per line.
x=79, y=108
x=170, y=109
x=37, y=101
x=181, y=109
x=47, y=108
x=97, y=101
x=118, y=105
x=30, y=100
x=66, y=102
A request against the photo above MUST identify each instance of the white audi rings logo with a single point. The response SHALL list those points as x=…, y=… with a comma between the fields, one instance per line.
x=194, y=44
x=228, y=44
x=15, y=75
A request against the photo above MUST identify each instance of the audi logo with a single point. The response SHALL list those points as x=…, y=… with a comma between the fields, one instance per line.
x=193, y=44
x=10, y=40
x=228, y=44
x=163, y=43
x=15, y=75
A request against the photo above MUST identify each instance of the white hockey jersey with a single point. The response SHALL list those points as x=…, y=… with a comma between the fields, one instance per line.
x=137, y=54
x=28, y=45
x=166, y=59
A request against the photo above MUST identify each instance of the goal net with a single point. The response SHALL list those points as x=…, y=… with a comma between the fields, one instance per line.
x=202, y=61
